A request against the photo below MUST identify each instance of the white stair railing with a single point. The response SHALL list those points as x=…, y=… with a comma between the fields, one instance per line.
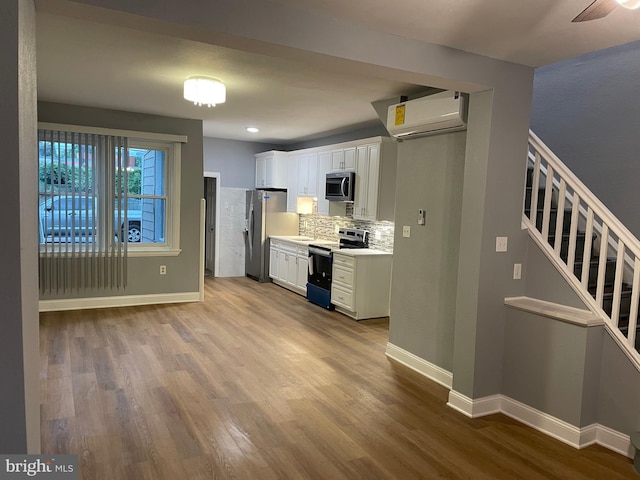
x=592, y=249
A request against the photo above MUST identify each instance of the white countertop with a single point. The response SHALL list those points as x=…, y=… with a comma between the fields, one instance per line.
x=360, y=252
x=300, y=240
x=352, y=252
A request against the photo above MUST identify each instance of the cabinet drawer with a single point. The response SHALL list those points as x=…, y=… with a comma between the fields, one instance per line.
x=343, y=275
x=302, y=251
x=343, y=261
x=341, y=297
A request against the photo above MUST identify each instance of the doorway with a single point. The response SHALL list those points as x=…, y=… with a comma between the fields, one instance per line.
x=210, y=224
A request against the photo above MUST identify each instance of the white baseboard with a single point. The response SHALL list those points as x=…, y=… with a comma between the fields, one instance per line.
x=614, y=440
x=474, y=408
x=543, y=422
x=117, y=301
x=420, y=365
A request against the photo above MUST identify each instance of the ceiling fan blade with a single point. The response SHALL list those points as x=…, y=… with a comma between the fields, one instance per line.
x=598, y=9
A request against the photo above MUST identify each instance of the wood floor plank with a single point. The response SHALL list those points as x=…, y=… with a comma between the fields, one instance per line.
x=257, y=383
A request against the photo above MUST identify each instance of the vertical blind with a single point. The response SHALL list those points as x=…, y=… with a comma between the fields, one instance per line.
x=83, y=186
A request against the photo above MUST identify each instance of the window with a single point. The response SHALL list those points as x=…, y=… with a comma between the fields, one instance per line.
x=98, y=191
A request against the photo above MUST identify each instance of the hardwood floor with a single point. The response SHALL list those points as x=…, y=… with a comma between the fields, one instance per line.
x=256, y=383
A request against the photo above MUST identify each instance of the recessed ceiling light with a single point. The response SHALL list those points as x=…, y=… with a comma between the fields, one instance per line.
x=253, y=129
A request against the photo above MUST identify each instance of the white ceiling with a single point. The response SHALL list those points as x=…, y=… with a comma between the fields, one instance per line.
x=87, y=63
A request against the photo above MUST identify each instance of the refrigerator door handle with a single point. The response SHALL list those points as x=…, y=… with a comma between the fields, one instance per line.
x=251, y=229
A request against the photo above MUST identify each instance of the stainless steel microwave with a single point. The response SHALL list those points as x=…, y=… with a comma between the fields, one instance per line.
x=340, y=186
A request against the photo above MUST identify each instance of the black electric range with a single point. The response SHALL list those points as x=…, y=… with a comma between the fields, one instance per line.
x=321, y=264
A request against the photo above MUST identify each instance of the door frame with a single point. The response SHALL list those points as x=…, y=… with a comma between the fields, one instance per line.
x=216, y=246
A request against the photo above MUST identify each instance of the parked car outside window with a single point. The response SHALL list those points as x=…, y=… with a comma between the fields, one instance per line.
x=72, y=216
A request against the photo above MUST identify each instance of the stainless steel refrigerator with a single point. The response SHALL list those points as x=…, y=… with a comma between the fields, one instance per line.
x=266, y=215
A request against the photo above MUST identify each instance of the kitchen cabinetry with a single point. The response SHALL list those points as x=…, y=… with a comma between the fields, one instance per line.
x=375, y=181
x=373, y=160
x=288, y=265
x=324, y=206
x=343, y=160
x=361, y=283
x=271, y=169
x=292, y=183
x=307, y=174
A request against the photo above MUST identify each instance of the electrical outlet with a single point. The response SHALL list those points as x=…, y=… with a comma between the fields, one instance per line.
x=163, y=269
x=378, y=235
x=501, y=244
x=406, y=231
x=517, y=271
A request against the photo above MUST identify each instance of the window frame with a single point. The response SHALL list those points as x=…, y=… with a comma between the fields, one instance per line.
x=172, y=145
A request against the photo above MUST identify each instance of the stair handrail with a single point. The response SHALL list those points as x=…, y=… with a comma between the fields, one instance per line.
x=609, y=223
x=594, y=202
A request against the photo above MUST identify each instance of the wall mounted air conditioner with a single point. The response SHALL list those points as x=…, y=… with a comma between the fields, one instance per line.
x=438, y=113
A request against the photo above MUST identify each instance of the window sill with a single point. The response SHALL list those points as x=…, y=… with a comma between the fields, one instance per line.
x=154, y=252
x=131, y=252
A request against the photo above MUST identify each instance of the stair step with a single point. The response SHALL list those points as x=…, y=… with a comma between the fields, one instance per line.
x=529, y=176
x=610, y=271
x=607, y=299
x=541, y=195
x=625, y=329
x=564, y=245
x=553, y=215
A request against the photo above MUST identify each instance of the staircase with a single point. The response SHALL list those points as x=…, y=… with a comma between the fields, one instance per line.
x=598, y=256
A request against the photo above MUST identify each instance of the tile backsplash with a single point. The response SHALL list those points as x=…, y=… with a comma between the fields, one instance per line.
x=325, y=228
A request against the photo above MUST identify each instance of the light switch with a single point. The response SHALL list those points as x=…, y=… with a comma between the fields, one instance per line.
x=406, y=231
x=501, y=244
x=517, y=271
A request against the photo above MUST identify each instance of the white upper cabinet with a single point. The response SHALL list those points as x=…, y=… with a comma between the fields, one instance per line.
x=292, y=183
x=303, y=174
x=324, y=167
x=308, y=175
x=375, y=181
x=271, y=169
x=343, y=160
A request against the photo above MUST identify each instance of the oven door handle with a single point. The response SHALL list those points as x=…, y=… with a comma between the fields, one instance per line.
x=319, y=251
x=310, y=269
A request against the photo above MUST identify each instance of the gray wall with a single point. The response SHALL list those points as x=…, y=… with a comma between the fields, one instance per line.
x=543, y=281
x=182, y=270
x=587, y=110
x=376, y=130
x=19, y=342
x=491, y=206
x=619, y=395
x=546, y=366
x=425, y=266
x=234, y=160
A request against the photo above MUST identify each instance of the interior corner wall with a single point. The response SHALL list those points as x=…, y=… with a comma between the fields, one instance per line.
x=494, y=174
x=546, y=366
x=586, y=109
x=619, y=394
x=143, y=272
x=234, y=160
x=543, y=281
x=425, y=266
x=19, y=342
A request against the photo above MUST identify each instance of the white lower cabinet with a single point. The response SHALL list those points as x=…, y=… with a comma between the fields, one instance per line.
x=361, y=284
x=288, y=265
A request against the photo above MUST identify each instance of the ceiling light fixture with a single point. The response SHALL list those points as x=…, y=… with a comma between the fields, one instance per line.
x=630, y=4
x=204, y=91
x=253, y=129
